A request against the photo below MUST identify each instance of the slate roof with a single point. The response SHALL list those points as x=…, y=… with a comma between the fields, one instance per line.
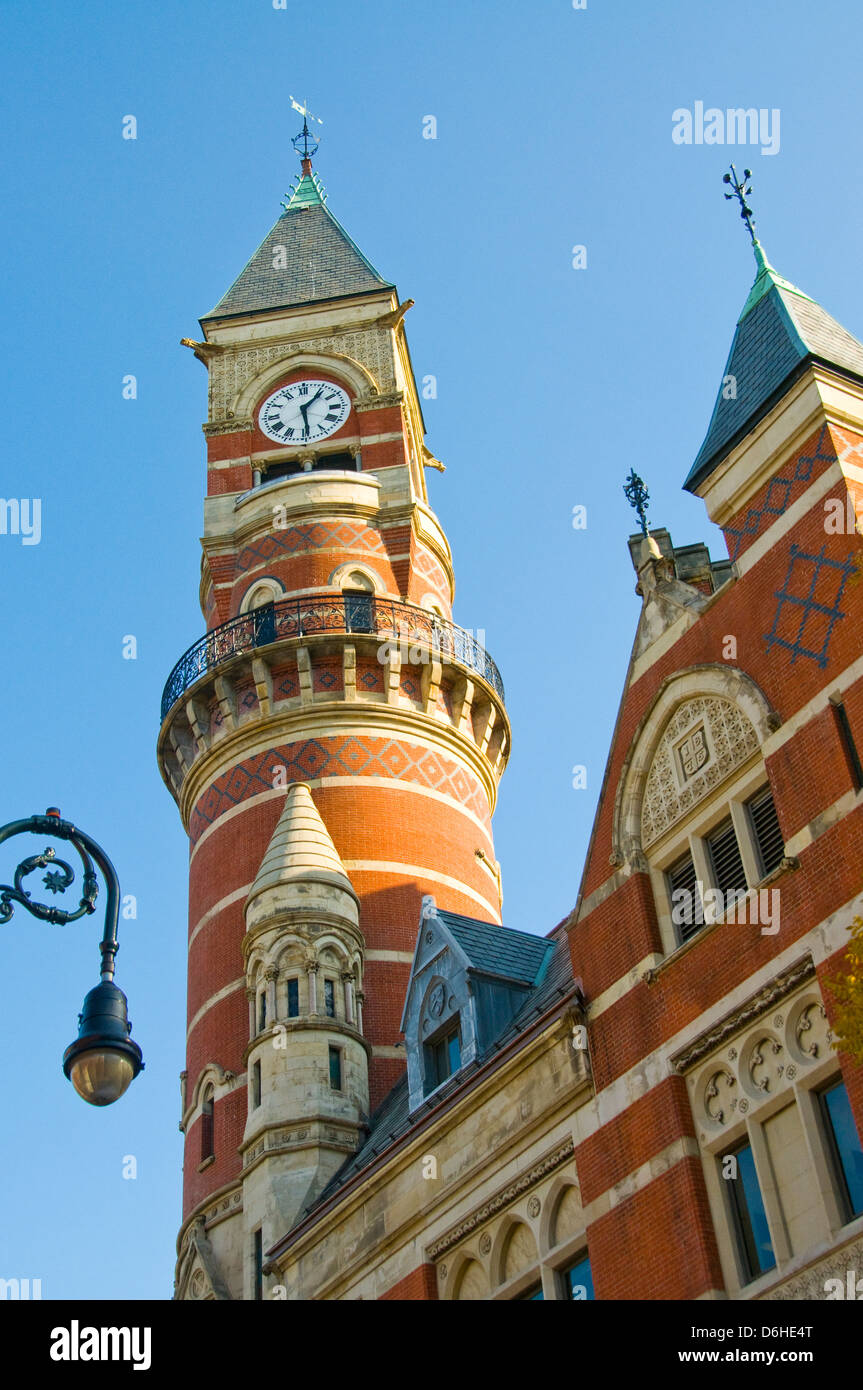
x=321, y=261
x=392, y=1120
x=493, y=950
x=780, y=331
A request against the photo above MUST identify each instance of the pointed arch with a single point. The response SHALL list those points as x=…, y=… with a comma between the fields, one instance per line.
x=469, y=1281
x=564, y=1190
x=725, y=682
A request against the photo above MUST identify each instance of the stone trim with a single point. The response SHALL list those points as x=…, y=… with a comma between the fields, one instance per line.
x=559, y=1155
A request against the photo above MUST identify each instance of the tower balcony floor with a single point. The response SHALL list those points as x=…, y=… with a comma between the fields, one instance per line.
x=389, y=620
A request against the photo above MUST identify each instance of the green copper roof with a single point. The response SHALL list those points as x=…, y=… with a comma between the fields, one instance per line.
x=765, y=280
x=307, y=193
x=308, y=257
x=779, y=333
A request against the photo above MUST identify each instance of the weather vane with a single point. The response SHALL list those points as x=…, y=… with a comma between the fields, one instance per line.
x=638, y=497
x=742, y=189
x=305, y=139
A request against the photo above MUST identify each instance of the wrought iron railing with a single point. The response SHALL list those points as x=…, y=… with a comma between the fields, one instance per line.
x=387, y=619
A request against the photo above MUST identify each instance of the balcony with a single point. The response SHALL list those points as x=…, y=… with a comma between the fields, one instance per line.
x=388, y=620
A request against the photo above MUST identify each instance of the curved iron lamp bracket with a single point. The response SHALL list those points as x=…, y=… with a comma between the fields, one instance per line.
x=60, y=877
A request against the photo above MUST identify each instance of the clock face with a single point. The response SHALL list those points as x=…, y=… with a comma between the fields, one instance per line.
x=304, y=412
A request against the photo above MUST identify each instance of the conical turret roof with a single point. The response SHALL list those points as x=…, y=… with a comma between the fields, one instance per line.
x=301, y=850
x=779, y=333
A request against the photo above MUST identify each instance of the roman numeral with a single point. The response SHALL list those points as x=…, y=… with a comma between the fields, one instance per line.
x=289, y=434
x=333, y=415
x=303, y=390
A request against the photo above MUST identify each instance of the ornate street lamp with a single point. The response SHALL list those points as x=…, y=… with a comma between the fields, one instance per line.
x=103, y=1059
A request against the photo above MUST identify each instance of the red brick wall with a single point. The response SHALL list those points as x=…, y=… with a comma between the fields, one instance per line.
x=421, y=1283
x=659, y=1243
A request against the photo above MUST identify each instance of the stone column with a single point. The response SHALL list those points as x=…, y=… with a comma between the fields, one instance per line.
x=348, y=982
x=271, y=976
x=312, y=972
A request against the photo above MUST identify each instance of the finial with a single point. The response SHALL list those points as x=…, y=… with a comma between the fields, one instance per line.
x=638, y=497
x=742, y=189
x=306, y=144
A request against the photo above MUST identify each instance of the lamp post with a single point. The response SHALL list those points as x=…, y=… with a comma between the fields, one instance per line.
x=103, y=1060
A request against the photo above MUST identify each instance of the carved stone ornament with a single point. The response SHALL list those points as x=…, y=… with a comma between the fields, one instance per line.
x=719, y=1101
x=503, y=1198
x=197, y=1284
x=484, y=1243
x=705, y=740
x=765, y=1064
x=231, y=371
x=812, y=1033
x=809, y=1286
x=534, y=1206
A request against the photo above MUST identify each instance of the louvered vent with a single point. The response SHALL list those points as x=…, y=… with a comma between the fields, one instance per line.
x=682, y=876
x=765, y=823
x=728, y=873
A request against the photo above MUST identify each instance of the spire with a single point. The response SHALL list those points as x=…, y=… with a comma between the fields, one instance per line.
x=301, y=855
x=308, y=256
x=308, y=190
x=780, y=332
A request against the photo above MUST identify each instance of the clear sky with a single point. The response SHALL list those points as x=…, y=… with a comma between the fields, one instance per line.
x=554, y=130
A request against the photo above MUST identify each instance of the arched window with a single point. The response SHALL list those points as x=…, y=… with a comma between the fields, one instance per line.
x=207, y=1124
x=260, y=595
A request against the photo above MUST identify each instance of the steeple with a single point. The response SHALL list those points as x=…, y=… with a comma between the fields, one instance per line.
x=780, y=332
x=306, y=258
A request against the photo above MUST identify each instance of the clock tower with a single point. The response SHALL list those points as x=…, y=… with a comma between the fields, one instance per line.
x=333, y=742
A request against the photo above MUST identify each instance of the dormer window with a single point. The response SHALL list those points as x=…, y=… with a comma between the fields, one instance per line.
x=442, y=1058
x=468, y=982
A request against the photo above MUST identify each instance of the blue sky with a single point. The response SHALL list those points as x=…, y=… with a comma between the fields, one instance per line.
x=554, y=129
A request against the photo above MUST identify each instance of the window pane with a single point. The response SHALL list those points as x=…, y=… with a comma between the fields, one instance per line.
x=765, y=823
x=293, y=998
x=728, y=870
x=579, y=1281
x=687, y=913
x=335, y=1069
x=330, y=998
x=532, y=1295
x=753, y=1232
x=847, y=1141
x=262, y=1013
x=453, y=1053
x=258, y=1256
